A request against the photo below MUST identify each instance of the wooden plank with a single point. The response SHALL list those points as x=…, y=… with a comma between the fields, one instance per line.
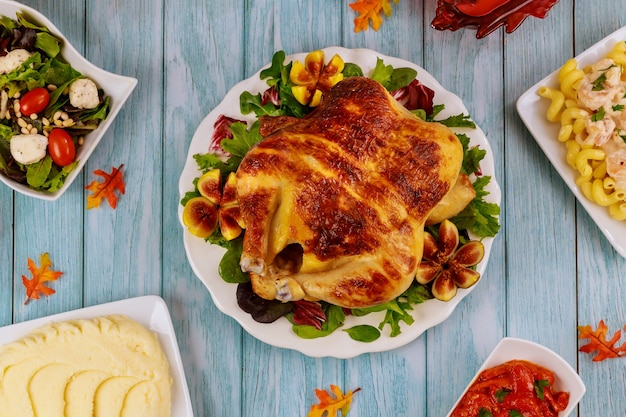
x=601, y=271
x=123, y=246
x=7, y=271
x=203, y=60
x=54, y=227
x=541, y=271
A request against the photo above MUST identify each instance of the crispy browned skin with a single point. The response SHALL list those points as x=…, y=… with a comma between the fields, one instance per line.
x=335, y=203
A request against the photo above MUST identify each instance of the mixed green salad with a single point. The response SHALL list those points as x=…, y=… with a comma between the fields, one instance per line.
x=46, y=106
x=233, y=138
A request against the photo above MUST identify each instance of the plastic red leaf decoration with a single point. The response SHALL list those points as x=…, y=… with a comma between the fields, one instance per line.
x=36, y=285
x=370, y=13
x=488, y=15
x=106, y=189
x=329, y=406
x=606, y=349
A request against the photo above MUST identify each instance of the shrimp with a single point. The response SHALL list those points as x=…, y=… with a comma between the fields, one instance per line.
x=599, y=86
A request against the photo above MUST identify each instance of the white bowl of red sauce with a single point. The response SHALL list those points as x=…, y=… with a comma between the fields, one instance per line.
x=519, y=376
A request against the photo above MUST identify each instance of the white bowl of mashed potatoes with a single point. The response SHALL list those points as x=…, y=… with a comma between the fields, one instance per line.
x=119, y=359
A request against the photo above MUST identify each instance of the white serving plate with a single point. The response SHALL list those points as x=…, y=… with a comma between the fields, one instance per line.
x=565, y=377
x=149, y=310
x=118, y=87
x=532, y=110
x=204, y=258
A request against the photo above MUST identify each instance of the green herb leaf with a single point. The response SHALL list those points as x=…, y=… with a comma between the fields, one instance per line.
x=392, y=78
x=459, y=120
x=598, y=84
x=249, y=103
x=277, y=71
x=229, y=268
x=618, y=107
x=484, y=413
x=241, y=142
x=540, y=386
x=479, y=216
x=363, y=333
x=501, y=393
x=351, y=70
x=335, y=317
x=598, y=115
x=37, y=173
x=514, y=413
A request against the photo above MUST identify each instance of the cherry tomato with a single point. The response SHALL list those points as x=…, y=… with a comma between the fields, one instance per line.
x=61, y=147
x=35, y=101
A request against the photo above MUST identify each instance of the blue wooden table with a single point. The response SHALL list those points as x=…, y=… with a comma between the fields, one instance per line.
x=550, y=270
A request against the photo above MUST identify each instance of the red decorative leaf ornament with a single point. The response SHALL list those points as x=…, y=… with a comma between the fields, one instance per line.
x=488, y=15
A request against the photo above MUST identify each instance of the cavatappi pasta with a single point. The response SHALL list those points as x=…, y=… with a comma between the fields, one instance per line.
x=590, y=105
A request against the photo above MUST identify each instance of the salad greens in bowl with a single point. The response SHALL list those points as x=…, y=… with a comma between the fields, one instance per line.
x=55, y=106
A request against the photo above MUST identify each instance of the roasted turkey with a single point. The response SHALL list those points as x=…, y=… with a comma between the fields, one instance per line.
x=335, y=203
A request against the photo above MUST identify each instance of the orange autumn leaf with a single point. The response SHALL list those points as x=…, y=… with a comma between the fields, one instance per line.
x=606, y=349
x=106, y=189
x=329, y=406
x=370, y=12
x=36, y=285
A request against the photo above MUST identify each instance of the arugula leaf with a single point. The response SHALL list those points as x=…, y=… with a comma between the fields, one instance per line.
x=249, y=103
x=398, y=310
x=459, y=120
x=392, y=78
x=278, y=71
x=471, y=156
x=241, y=142
x=479, y=216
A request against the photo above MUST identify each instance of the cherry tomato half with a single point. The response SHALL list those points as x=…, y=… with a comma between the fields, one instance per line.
x=35, y=101
x=61, y=147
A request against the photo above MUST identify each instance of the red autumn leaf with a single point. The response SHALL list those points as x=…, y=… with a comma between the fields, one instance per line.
x=488, y=15
x=36, y=285
x=606, y=349
x=106, y=189
x=370, y=12
x=329, y=405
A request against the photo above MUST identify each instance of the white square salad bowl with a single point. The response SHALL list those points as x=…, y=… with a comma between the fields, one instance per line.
x=117, y=87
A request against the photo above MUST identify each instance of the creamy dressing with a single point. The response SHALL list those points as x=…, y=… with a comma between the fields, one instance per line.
x=604, y=93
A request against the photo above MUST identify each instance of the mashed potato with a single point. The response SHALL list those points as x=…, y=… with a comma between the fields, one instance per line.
x=107, y=366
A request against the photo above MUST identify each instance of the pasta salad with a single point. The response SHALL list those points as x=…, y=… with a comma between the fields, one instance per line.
x=590, y=105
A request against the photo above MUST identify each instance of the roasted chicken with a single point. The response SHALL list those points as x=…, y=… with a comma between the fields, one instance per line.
x=335, y=203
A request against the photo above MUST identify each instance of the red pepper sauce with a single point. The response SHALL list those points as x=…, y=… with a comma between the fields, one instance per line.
x=514, y=389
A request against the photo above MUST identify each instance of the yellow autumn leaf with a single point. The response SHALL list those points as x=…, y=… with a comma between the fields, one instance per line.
x=331, y=405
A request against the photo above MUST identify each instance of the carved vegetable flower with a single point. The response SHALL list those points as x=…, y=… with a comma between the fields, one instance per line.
x=446, y=266
x=313, y=78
